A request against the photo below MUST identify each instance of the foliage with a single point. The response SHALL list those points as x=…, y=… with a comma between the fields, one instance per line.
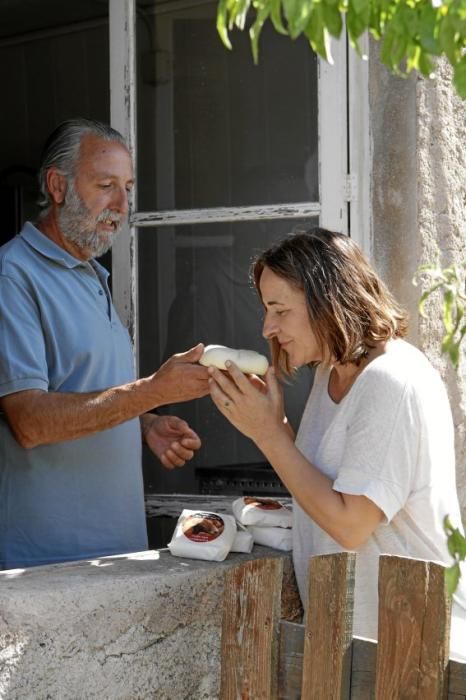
x=451, y=282
x=412, y=32
x=456, y=543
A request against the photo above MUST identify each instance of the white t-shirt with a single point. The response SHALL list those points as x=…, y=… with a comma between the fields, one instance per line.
x=390, y=439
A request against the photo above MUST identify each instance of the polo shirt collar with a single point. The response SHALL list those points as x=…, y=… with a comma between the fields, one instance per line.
x=45, y=246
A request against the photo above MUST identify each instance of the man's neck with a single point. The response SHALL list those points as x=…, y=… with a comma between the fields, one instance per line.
x=49, y=226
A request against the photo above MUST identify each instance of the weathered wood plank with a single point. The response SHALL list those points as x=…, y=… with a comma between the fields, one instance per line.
x=290, y=663
x=363, y=664
x=179, y=217
x=414, y=617
x=457, y=678
x=250, y=629
x=327, y=641
x=363, y=669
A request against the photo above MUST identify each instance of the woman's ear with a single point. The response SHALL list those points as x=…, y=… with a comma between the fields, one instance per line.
x=56, y=185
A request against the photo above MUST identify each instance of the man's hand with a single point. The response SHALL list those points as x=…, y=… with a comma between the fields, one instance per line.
x=170, y=439
x=180, y=378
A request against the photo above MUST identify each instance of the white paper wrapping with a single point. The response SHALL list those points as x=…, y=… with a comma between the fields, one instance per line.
x=276, y=537
x=203, y=535
x=243, y=541
x=252, y=510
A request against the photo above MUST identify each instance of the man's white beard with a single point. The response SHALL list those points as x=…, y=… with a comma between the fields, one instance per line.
x=79, y=226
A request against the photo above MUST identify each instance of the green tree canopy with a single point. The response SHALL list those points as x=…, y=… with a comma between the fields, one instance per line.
x=412, y=32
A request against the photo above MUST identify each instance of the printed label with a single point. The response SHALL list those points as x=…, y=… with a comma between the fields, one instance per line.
x=203, y=527
x=262, y=503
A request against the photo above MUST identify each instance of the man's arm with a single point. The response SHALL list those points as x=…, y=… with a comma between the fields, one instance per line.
x=39, y=417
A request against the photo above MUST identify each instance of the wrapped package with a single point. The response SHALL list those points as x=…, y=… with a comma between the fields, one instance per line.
x=254, y=510
x=203, y=535
x=243, y=541
x=276, y=537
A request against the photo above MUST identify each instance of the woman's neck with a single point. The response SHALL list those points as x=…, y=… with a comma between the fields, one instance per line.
x=343, y=376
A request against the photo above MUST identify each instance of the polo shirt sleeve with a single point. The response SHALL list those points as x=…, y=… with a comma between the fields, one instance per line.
x=23, y=363
x=382, y=441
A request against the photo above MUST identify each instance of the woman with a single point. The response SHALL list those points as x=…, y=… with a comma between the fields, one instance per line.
x=372, y=467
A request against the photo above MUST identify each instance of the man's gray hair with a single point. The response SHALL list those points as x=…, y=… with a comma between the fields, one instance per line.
x=61, y=151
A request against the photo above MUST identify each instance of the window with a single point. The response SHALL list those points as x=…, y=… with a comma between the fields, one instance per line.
x=230, y=157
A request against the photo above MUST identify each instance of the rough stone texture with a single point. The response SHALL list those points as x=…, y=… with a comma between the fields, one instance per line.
x=441, y=164
x=141, y=626
x=419, y=205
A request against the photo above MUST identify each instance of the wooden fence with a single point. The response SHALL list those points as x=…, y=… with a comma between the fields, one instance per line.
x=265, y=658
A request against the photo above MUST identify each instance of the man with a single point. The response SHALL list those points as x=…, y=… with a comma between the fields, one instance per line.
x=72, y=412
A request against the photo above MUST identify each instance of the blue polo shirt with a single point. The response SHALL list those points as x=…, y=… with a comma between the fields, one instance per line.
x=60, y=332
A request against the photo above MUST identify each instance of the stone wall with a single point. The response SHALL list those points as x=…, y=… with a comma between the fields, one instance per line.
x=419, y=205
x=119, y=628
x=441, y=196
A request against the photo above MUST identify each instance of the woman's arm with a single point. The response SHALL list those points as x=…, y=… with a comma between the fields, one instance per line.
x=350, y=520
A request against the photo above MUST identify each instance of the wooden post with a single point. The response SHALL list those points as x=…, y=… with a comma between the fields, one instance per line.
x=290, y=664
x=414, y=630
x=250, y=630
x=329, y=626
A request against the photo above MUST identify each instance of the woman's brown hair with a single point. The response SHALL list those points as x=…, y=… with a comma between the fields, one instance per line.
x=349, y=306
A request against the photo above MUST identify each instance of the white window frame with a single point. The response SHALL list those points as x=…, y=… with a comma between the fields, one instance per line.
x=344, y=158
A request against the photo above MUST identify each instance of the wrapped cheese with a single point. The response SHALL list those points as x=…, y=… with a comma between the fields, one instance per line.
x=255, y=510
x=203, y=535
x=243, y=541
x=276, y=537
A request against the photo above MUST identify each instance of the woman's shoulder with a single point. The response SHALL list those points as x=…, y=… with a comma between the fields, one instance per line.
x=402, y=366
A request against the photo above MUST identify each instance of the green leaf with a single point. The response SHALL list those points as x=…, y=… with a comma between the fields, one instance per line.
x=425, y=64
x=315, y=31
x=452, y=577
x=332, y=19
x=459, y=77
x=427, y=21
x=425, y=295
x=447, y=311
x=256, y=29
x=355, y=26
x=361, y=7
x=222, y=23
x=447, y=526
x=456, y=543
x=297, y=13
x=238, y=13
x=276, y=16
x=447, y=40
x=454, y=354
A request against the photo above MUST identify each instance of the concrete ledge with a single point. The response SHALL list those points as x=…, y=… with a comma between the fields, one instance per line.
x=145, y=625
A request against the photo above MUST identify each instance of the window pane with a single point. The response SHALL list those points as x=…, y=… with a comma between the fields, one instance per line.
x=214, y=129
x=194, y=287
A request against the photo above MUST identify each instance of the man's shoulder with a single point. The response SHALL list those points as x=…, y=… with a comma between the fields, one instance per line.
x=19, y=258
x=12, y=256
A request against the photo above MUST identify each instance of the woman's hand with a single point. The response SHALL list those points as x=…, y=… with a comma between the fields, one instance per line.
x=254, y=407
x=170, y=439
